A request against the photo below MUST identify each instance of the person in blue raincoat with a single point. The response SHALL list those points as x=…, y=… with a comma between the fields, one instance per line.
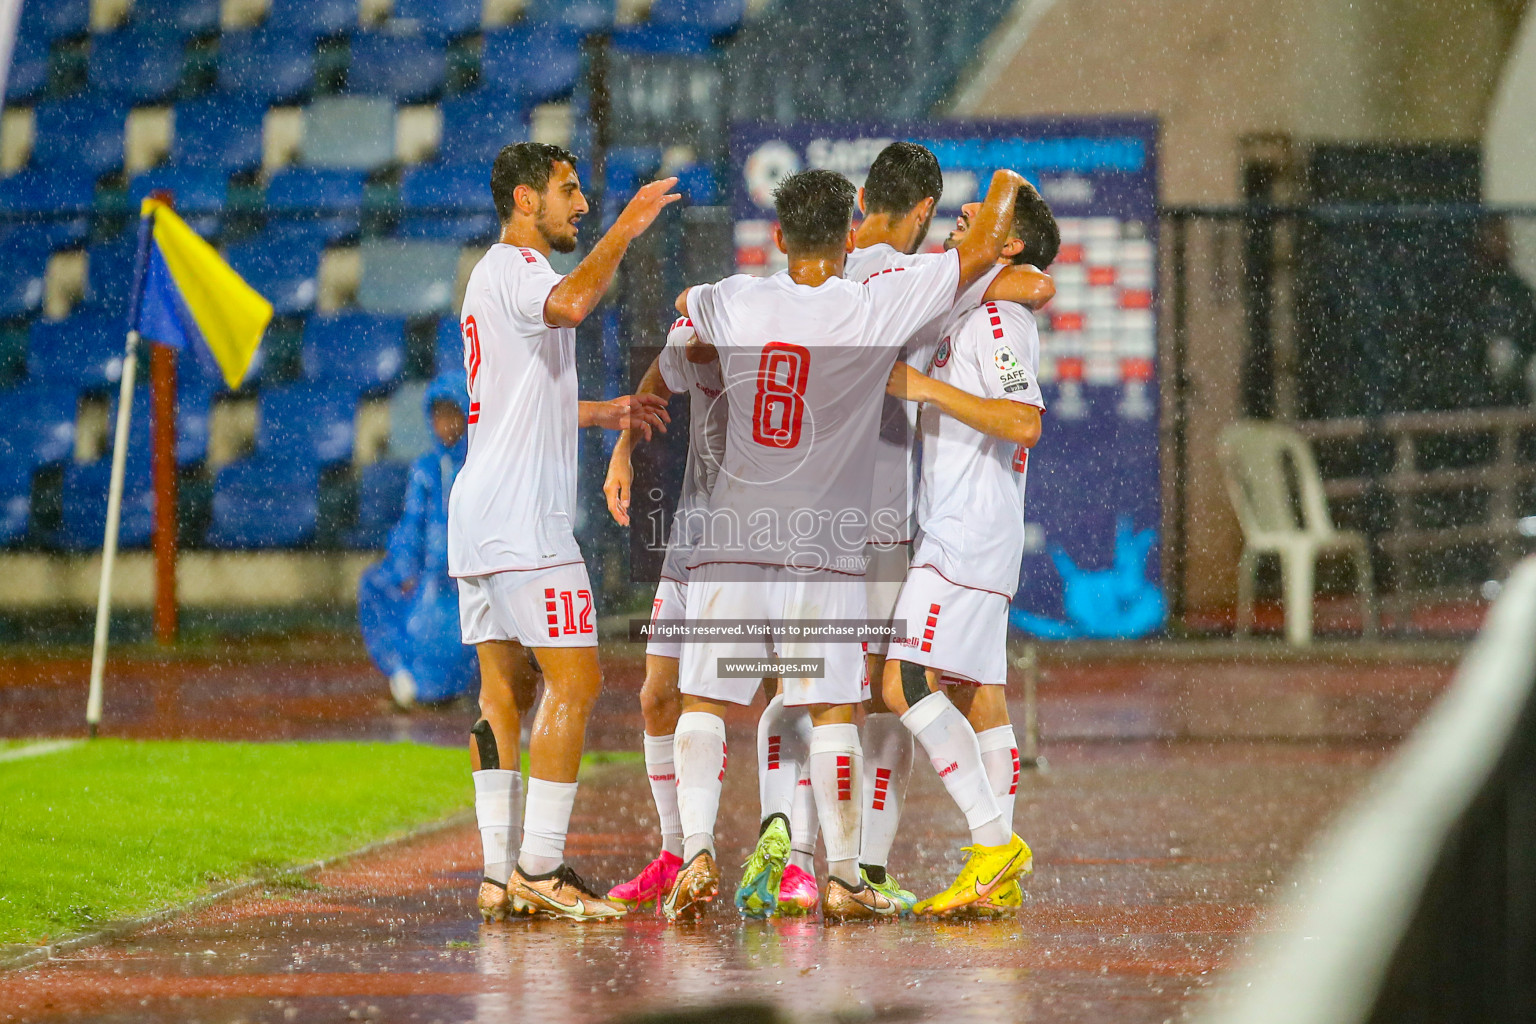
x=407, y=605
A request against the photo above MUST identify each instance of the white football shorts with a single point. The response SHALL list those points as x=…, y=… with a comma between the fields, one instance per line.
x=960, y=631
x=671, y=602
x=536, y=607
x=883, y=577
x=738, y=592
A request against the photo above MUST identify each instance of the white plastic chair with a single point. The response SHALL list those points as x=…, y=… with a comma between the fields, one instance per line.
x=1277, y=493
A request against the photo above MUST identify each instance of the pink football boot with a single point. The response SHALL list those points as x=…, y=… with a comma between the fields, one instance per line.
x=797, y=892
x=651, y=885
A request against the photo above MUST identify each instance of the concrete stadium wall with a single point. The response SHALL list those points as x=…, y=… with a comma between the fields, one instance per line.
x=204, y=579
x=1225, y=76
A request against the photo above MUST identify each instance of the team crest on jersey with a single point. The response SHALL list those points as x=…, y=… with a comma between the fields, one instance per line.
x=941, y=354
x=1005, y=359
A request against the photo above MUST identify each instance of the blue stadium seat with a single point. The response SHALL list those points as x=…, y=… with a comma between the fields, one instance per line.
x=57, y=203
x=441, y=17
x=315, y=205
x=219, y=132
x=450, y=345
x=200, y=193
x=21, y=286
x=15, y=498
x=309, y=423
x=349, y=132
x=408, y=69
x=265, y=502
x=282, y=268
x=194, y=398
x=30, y=62
x=181, y=17
x=667, y=40
x=717, y=17
x=136, y=65
x=583, y=15
x=362, y=350
x=412, y=278
x=109, y=277
x=312, y=18
x=85, y=503
x=80, y=352
x=55, y=19
x=37, y=424
x=540, y=61
x=450, y=202
x=697, y=183
x=82, y=135
x=477, y=126
x=380, y=500
x=266, y=66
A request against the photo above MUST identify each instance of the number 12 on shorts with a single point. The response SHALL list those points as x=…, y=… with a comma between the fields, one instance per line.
x=569, y=612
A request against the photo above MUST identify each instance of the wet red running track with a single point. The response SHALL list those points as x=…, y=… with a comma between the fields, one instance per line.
x=1178, y=795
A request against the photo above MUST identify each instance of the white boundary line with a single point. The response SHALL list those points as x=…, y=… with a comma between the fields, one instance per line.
x=37, y=749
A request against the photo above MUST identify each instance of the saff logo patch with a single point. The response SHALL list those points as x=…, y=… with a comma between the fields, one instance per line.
x=941, y=354
x=1005, y=359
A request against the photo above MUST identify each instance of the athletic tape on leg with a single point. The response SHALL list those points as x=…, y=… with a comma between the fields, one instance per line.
x=485, y=743
x=914, y=682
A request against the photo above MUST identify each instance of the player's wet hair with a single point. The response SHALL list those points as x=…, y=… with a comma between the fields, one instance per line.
x=523, y=163
x=903, y=175
x=1035, y=226
x=815, y=210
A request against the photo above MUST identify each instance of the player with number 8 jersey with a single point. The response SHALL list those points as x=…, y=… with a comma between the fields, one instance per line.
x=804, y=356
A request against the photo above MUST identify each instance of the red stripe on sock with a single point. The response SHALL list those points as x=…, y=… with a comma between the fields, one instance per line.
x=1014, y=786
x=882, y=787
x=773, y=752
x=845, y=776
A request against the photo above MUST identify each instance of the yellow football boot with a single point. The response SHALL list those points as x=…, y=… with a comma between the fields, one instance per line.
x=987, y=871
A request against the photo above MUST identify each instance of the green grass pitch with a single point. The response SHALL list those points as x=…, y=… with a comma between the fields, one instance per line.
x=109, y=829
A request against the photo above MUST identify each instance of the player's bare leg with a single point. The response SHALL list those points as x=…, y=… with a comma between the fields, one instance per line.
x=888, y=750
x=542, y=882
x=507, y=682
x=660, y=706
x=997, y=855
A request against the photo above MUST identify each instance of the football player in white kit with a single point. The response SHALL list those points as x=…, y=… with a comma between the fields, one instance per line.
x=898, y=200
x=522, y=583
x=803, y=356
x=980, y=414
x=670, y=373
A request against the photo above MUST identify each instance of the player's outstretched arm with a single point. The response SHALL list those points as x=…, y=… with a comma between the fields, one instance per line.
x=644, y=413
x=983, y=244
x=578, y=294
x=621, y=470
x=996, y=417
x=1024, y=284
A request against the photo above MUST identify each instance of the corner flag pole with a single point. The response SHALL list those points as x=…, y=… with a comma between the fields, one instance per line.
x=115, y=492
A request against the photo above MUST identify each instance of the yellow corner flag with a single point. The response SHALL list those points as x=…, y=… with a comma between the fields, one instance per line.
x=188, y=293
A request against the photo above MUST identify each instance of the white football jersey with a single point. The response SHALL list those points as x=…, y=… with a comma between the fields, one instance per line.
x=895, y=471
x=971, y=493
x=702, y=383
x=805, y=371
x=513, y=505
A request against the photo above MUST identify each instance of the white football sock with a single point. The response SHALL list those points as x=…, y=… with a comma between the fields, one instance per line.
x=783, y=744
x=546, y=819
x=803, y=825
x=836, y=759
x=887, y=766
x=698, y=750
x=1000, y=757
x=663, y=777
x=498, y=812
x=951, y=745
